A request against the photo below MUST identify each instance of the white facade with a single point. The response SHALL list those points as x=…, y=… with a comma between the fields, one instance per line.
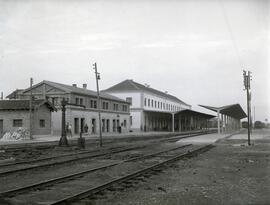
x=143, y=101
x=153, y=102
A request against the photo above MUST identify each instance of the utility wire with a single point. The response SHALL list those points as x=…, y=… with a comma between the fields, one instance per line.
x=231, y=34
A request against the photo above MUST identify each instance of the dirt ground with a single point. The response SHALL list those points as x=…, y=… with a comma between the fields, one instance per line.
x=230, y=173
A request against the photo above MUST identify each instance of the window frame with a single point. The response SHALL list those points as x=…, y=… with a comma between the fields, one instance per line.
x=17, y=120
x=41, y=121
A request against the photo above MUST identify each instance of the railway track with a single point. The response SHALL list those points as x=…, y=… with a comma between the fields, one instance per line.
x=90, y=192
x=75, y=158
x=52, y=157
x=82, y=176
x=78, y=174
x=49, y=161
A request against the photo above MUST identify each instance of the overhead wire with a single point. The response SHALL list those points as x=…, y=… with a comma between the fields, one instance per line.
x=236, y=49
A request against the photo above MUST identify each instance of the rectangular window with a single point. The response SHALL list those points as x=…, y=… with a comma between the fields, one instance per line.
x=115, y=106
x=42, y=123
x=77, y=101
x=125, y=123
x=103, y=105
x=91, y=104
x=17, y=123
x=81, y=101
x=145, y=100
x=130, y=120
x=152, y=103
x=155, y=104
x=129, y=99
x=148, y=102
x=107, y=105
x=95, y=104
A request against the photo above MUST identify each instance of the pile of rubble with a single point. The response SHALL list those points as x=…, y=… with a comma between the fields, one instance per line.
x=19, y=134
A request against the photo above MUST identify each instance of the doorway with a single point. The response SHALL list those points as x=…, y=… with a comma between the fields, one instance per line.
x=108, y=125
x=103, y=125
x=1, y=128
x=114, y=126
x=93, y=123
x=76, y=125
x=82, y=125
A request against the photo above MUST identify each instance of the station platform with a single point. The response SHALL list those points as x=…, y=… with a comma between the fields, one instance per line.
x=56, y=138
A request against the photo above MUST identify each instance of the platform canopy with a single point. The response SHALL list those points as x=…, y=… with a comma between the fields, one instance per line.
x=195, y=113
x=234, y=110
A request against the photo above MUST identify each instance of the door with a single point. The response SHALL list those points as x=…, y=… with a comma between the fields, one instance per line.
x=93, y=126
x=82, y=125
x=114, y=126
x=1, y=128
x=76, y=125
x=103, y=125
x=108, y=125
x=117, y=125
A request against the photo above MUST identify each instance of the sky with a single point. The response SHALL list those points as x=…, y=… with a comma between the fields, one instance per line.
x=195, y=50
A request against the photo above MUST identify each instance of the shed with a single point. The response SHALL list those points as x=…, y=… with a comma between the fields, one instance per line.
x=15, y=114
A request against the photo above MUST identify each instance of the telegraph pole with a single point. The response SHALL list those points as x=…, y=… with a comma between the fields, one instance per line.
x=98, y=103
x=254, y=115
x=30, y=110
x=247, y=78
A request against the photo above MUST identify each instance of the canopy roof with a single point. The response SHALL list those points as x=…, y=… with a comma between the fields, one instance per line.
x=234, y=110
x=186, y=112
x=195, y=113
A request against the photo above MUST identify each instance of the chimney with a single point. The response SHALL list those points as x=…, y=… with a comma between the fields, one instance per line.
x=84, y=86
x=74, y=85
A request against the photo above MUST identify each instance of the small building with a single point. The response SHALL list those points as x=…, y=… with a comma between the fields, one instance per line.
x=84, y=109
x=151, y=109
x=15, y=114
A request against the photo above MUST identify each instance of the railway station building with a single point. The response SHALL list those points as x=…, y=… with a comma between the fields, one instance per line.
x=154, y=110
x=82, y=115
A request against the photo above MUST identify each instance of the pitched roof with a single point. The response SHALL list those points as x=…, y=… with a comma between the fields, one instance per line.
x=77, y=90
x=24, y=104
x=130, y=85
x=14, y=94
x=234, y=110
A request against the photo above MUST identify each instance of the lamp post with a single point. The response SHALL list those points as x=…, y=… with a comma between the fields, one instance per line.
x=63, y=140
